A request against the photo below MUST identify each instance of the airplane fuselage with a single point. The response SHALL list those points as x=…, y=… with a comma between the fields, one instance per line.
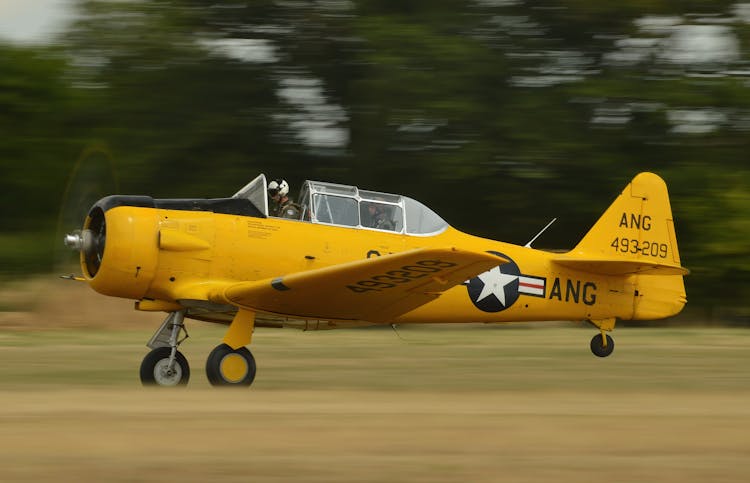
x=166, y=256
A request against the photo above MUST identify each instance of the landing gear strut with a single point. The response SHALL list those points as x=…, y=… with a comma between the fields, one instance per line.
x=165, y=365
x=231, y=363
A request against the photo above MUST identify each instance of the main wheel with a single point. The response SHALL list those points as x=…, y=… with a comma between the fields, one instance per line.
x=230, y=367
x=598, y=348
x=155, y=368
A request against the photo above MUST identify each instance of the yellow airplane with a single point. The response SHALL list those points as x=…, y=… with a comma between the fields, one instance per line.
x=225, y=260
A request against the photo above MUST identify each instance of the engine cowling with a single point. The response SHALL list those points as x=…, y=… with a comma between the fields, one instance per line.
x=119, y=246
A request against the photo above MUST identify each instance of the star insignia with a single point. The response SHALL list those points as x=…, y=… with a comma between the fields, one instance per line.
x=495, y=282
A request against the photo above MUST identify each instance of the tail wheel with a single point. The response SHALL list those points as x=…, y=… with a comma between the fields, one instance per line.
x=230, y=367
x=598, y=347
x=155, y=370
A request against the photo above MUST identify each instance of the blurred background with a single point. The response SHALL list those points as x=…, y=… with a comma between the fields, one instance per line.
x=498, y=114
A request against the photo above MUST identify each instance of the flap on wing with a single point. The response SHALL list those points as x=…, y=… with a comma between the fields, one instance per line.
x=620, y=266
x=373, y=289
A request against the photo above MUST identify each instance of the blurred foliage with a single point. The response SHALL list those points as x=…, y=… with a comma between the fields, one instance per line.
x=499, y=114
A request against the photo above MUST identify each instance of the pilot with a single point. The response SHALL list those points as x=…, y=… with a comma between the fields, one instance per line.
x=280, y=204
x=378, y=218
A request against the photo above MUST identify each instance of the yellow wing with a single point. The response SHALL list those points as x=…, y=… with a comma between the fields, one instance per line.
x=372, y=289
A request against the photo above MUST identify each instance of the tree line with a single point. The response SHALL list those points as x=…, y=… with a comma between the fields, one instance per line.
x=497, y=114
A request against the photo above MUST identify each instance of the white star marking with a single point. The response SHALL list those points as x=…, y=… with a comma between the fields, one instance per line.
x=494, y=284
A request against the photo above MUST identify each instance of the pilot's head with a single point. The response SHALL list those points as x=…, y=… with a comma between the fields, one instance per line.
x=278, y=189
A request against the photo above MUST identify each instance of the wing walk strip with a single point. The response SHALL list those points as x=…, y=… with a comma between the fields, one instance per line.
x=374, y=289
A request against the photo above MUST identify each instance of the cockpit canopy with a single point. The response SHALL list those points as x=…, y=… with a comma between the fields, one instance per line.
x=343, y=205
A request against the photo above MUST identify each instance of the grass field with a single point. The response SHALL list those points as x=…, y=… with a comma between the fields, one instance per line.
x=444, y=404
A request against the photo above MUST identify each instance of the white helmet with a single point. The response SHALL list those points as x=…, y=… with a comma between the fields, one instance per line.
x=278, y=187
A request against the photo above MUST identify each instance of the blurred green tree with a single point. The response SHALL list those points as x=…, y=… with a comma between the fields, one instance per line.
x=499, y=114
x=35, y=105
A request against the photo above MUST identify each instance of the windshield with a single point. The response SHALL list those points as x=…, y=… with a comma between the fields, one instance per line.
x=421, y=220
x=255, y=191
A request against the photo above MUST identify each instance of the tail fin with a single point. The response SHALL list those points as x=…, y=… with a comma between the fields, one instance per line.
x=635, y=237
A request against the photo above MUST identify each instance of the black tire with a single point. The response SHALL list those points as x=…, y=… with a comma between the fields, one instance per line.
x=153, y=369
x=230, y=367
x=598, y=348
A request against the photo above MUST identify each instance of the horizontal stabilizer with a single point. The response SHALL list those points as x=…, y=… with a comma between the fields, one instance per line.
x=620, y=267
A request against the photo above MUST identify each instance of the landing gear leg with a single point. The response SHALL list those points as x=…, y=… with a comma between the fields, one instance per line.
x=602, y=344
x=165, y=365
x=231, y=363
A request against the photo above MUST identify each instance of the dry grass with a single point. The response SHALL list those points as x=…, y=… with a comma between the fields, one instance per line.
x=449, y=404
x=128, y=434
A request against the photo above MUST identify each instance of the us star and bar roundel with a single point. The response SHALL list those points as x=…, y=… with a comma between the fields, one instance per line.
x=499, y=288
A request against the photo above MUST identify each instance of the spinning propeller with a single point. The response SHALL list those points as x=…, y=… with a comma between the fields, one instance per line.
x=84, y=232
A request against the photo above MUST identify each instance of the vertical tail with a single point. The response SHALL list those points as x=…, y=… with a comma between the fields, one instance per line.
x=636, y=237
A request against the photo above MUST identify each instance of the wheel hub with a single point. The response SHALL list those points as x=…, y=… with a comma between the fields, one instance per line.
x=165, y=376
x=233, y=368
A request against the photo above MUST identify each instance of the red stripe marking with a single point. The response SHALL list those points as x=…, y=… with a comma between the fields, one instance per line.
x=531, y=285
